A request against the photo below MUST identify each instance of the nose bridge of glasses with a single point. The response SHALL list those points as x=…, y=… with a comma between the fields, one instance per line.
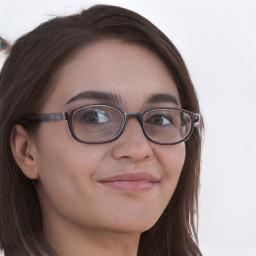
x=137, y=116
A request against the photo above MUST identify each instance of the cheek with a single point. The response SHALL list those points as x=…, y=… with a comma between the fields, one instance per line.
x=61, y=154
x=172, y=160
x=66, y=174
x=64, y=166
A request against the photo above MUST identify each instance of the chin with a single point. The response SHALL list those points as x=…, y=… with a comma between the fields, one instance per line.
x=132, y=224
x=132, y=228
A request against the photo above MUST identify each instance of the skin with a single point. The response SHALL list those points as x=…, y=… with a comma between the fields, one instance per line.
x=76, y=207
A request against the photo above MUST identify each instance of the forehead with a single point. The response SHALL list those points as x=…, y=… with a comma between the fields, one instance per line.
x=128, y=70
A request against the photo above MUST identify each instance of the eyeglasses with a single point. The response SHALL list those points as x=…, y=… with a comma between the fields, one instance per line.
x=95, y=124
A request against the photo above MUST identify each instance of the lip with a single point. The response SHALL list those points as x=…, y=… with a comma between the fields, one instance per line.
x=131, y=182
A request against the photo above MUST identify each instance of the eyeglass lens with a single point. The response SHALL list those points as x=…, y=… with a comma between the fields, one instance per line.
x=103, y=123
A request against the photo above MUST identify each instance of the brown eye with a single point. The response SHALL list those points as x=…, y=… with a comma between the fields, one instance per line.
x=95, y=116
x=160, y=119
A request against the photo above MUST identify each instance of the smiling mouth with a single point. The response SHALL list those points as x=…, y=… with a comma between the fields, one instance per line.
x=131, y=182
x=132, y=186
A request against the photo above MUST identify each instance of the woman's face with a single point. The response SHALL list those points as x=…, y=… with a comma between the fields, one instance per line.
x=72, y=173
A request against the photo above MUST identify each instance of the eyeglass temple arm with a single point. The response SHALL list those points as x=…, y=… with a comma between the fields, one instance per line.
x=48, y=117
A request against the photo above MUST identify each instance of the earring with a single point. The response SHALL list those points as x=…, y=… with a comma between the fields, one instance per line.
x=3, y=44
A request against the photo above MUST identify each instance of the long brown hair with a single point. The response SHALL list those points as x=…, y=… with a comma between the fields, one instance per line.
x=25, y=80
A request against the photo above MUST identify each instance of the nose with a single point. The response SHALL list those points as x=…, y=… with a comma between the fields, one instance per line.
x=132, y=144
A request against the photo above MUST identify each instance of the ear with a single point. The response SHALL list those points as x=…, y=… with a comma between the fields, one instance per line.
x=23, y=150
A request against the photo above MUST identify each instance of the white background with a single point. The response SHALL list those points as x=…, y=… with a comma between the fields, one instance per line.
x=217, y=39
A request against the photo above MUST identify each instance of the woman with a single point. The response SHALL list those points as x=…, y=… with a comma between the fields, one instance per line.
x=99, y=155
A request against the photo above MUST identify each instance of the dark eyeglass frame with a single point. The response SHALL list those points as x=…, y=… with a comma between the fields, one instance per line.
x=195, y=118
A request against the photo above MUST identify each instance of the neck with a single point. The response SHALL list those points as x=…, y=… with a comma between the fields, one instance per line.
x=76, y=240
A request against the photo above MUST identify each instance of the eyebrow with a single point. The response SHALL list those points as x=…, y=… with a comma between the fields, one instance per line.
x=163, y=97
x=109, y=97
x=96, y=95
